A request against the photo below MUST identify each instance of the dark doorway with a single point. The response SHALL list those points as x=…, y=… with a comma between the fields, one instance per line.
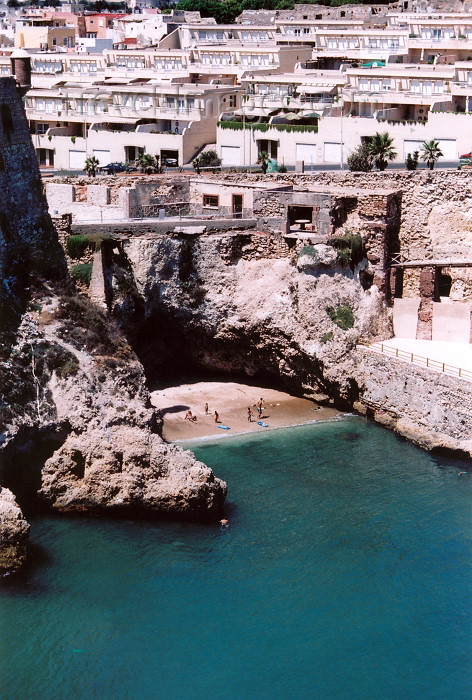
x=237, y=206
x=45, y=156
x=444, y=285
x=398, y=291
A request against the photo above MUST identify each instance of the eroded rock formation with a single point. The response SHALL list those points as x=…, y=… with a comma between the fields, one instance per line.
x=76, y=429
x=250, y=315
x=14, y=532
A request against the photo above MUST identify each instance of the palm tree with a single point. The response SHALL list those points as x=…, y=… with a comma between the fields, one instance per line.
x=381, y=149
x=147, y=163
x=430, y=152
x=263, y=158
x=91, y=165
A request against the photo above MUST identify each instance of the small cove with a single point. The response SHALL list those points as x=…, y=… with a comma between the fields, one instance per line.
x=345, y=573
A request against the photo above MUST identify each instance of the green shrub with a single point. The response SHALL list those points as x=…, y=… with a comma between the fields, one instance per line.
x=307, y=250
x=82, y=273
x=69, y=369
x=360, y=160
x=342, y=316
x=326, y=337
x=77, y=245
x=283, y=168
x=411, y=161
x=350, y=249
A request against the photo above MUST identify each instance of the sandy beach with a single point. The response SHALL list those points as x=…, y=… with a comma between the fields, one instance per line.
x=231, y=400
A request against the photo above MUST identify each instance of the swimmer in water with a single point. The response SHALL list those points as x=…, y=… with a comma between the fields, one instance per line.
x=224, y=522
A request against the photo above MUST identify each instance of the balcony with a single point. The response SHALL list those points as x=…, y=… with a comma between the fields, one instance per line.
x=264, y=127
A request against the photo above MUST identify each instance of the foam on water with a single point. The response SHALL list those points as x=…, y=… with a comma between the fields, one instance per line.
x=345, y=572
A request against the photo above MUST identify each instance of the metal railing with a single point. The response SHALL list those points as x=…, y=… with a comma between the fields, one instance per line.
x=454, y=258
x=420, y=360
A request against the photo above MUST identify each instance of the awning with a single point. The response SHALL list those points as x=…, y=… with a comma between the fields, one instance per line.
x=291, y=116
x=310, y=114
x=373, y=64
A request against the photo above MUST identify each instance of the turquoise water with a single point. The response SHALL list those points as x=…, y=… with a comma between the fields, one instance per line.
x=345, y=573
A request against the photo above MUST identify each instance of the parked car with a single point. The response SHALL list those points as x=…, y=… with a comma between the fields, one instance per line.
x=113, y=168
x=171, y=162
x=465, y=161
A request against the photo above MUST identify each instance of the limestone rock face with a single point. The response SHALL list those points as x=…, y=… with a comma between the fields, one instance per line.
x=254, y=315
x=112, y=459
x=322, y=255
x=124, y=470
x=14, y=532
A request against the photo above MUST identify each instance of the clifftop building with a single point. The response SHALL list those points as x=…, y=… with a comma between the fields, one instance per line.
x=306, y=85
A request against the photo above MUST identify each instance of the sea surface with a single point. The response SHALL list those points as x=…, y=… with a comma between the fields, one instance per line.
x=345, y=572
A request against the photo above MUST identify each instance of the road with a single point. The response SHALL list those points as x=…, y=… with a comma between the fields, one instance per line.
x=324, y=167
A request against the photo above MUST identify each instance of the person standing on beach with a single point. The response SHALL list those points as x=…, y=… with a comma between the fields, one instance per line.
x=259, y=408
x=249, y=414
x=206, y=409
x=217, y=418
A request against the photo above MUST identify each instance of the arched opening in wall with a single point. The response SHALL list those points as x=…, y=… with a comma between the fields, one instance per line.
x=444, y=285
x=6, y=119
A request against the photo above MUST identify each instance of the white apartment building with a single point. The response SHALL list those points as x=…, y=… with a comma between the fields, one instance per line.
x=116, y=122
x=280, y=115
x=301, y=88
x=321, y=116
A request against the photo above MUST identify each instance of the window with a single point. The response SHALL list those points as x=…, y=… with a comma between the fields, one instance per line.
x=41, y=127
x=210, y=200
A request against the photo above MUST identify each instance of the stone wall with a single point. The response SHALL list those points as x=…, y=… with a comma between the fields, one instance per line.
x=253, y=247
x=436, y=206
x=429, y=408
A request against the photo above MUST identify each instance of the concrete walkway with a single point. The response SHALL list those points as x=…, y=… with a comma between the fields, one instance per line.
x=439, y=356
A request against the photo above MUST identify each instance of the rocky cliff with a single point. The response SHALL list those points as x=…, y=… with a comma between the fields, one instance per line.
x=84, y=437
x=245, y=304
x=77, y=432
x=14, y=532
x=217, y=304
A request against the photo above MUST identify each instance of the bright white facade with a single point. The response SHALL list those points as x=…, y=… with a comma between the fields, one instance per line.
x=305, y=87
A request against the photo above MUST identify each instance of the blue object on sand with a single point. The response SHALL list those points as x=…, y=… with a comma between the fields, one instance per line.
x=224, y=427
x=263, y=425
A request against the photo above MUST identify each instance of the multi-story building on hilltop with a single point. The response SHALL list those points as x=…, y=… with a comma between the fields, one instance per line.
x=304, y=85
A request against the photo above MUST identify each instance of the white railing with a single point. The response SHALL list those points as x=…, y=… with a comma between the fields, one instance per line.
x=420, y=360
